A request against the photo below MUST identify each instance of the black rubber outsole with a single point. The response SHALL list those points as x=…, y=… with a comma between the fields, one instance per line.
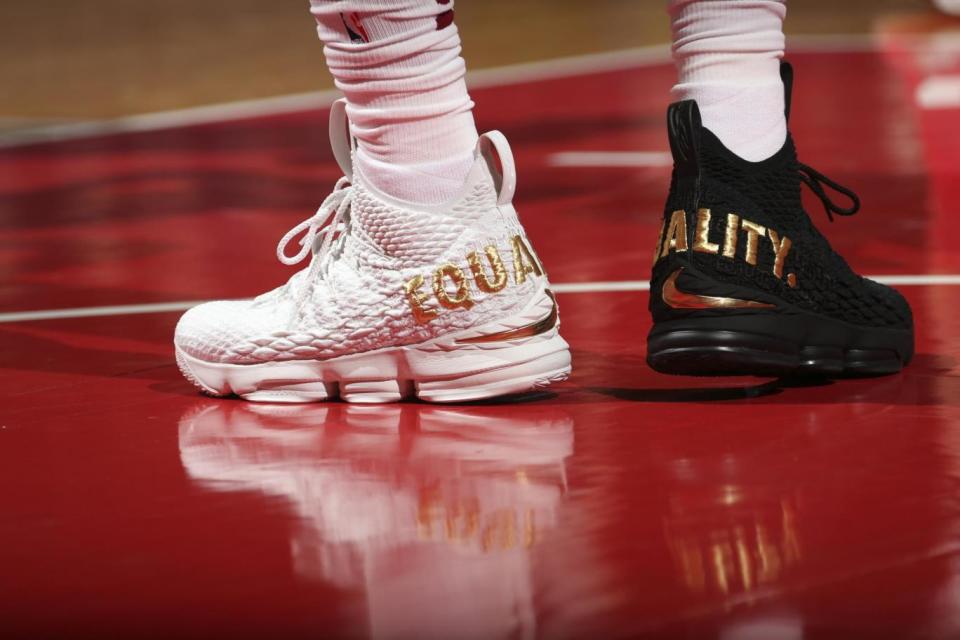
x=709, y=352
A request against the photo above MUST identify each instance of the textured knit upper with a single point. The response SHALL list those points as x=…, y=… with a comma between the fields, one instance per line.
x=356, y=301
x=768, y=193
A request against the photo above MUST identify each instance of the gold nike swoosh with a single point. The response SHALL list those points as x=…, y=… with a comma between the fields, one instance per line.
x=532, y=329
x=677, y=299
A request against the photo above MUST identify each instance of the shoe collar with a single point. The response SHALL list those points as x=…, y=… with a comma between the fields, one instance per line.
x=494, y=163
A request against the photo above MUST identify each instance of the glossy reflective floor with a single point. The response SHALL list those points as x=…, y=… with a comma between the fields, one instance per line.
x=621, y=504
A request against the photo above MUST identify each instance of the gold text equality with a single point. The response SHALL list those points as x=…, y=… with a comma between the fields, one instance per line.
x=701, y=241
x=730, y=236
x=417, y=299
x=461, y=296
x=484, y=283
x=676, y=237
x=656, y=250
x=450, y=283
x=524, y=261
x=673, y=237
x=780, y=248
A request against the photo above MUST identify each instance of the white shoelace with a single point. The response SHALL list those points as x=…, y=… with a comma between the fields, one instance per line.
x=323, y=226
x=319, y=225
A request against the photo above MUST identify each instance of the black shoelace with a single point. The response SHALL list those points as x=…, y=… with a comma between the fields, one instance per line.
x=816, y=181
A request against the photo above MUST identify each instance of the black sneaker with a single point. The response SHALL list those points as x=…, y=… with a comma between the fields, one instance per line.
x=744, y=284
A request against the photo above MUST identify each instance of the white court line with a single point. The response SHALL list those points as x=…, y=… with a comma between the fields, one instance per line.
x=565, y=287
x=600, y=287
x=497, y=76
x=939, y=92
x=238, y=110
x=92, y=312
x=611, y=159
x=921, y=280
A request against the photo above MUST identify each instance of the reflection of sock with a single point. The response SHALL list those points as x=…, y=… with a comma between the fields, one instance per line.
x=728, y=55
x=398, y=64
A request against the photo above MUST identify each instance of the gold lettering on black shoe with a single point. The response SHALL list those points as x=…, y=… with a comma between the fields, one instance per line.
x=673, y=237
x=677, y=299
x=656, y=250
x=701, y=239
x=780, y=249
x=754, y=231
x=676, y=236
x=730, y=236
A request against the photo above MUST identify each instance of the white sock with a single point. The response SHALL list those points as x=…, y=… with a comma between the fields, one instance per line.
x=398, y=63
x=728, y=56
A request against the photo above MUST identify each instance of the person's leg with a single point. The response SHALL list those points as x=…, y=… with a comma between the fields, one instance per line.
x=421, y=280
x=398, y=64
x=742, y=282
x=727, y=54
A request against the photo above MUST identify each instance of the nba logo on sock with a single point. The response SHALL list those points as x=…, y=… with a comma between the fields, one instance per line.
x=351, y=22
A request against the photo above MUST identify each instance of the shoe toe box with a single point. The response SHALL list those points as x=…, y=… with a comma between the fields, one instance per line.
x=890, y=305
x=222, y=331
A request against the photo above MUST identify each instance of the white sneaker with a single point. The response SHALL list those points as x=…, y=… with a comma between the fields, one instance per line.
x=448, y=303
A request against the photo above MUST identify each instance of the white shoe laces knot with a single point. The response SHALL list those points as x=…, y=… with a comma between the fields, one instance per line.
x=322, y=226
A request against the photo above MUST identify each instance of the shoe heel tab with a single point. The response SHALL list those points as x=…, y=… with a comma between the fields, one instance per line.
x=340, y=139
x=495, y=150
x=684, y=126
x=786, y=76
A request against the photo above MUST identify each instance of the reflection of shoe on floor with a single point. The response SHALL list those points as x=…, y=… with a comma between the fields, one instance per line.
x=348, y=468
x=744, y=284
x=431, y=511
x=543, y=438
x=447, y=303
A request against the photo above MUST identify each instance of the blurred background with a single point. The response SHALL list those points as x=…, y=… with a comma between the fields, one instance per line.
x=63, y=61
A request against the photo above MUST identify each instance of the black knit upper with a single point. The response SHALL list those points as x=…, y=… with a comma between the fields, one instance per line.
x=768, y=193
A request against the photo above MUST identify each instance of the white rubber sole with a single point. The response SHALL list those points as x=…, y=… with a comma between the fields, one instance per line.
x=436, y=371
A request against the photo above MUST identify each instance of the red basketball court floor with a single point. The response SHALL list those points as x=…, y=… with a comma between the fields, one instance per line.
x=622, y=503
